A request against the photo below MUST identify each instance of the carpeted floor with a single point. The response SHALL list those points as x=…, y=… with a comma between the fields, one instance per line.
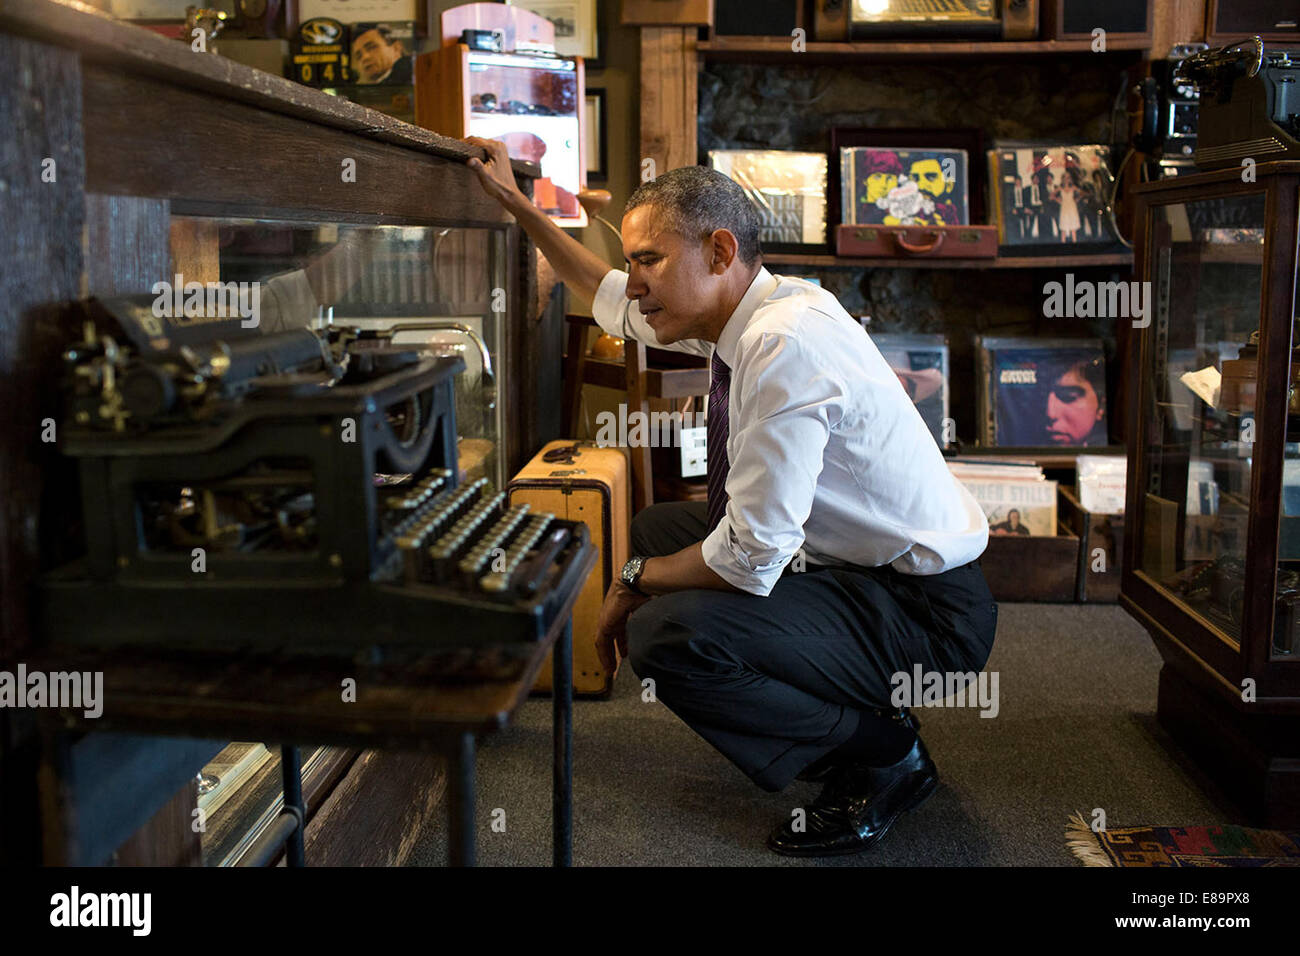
x=1076, y=731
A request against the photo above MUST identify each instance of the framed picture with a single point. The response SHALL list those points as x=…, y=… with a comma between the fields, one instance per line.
x=944, y=144
x=1042, y=392
x=788, y=190
x=595, y=137
x=1051, y=198
x=358, y=11
x=894, y=186
x=578, y=26
x=921, y=364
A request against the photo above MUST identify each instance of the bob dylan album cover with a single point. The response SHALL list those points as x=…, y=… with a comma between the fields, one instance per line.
x=1049, y=395
x=885, y=186
x=921, y=364
x=1051, y=194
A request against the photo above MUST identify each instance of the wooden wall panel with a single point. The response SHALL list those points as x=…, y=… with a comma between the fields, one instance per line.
x=371, y=818
x=668, y=97
x=41, y=252
x=1176, y=21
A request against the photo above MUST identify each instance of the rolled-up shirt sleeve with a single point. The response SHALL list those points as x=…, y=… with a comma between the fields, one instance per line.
x=619, y=316
x=790, y=405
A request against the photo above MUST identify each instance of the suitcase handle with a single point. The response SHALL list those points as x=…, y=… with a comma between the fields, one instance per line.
x=919, y=249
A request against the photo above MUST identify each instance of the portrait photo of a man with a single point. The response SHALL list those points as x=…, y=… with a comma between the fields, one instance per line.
x=381, y=54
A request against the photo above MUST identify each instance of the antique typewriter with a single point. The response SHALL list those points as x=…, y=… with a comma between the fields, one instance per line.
x=1249, y=104
x=290, y=492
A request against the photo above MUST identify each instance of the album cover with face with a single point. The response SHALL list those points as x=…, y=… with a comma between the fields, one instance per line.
x=904, y=187
x=1044, y=392
x=383, y=53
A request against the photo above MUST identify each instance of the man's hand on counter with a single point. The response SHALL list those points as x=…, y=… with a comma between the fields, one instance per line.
x=497, y=177
x=576, y=266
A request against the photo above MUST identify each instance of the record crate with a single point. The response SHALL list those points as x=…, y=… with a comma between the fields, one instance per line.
x=1064, y=569
x=1101, y=549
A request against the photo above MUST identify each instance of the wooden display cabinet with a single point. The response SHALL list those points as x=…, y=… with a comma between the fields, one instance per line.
x=1211, y=557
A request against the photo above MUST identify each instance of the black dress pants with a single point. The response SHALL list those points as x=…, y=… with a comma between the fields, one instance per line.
x=776, y=682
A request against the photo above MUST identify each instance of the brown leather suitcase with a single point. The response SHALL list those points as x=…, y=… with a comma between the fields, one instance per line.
x=591, y=485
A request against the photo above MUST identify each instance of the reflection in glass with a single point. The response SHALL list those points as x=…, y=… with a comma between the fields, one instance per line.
x=446, y=285
x=1208, y=274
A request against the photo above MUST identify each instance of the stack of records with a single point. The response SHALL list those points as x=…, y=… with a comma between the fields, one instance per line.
x=1014, y=495
x=1102, y=483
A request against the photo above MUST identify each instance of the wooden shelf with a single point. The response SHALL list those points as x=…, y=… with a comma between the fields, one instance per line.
x=723, y=48
x=1045, y=457
x=998, y=262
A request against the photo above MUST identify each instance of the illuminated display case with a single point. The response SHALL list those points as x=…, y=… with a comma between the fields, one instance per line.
x=1212, y=562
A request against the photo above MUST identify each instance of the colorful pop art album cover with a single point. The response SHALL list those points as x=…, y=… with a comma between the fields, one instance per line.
x=887, y=186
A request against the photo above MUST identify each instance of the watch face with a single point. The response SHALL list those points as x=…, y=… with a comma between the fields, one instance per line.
x=252, y=8
x=631, y=570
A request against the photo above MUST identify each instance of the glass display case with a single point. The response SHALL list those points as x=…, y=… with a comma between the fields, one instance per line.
x=1212, y=567
x=443, y=287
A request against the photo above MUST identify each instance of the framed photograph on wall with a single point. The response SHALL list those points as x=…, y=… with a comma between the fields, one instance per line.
x=595, y=137
x=578, y=25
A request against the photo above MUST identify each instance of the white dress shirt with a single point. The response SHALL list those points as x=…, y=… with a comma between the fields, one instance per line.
x=827, y=452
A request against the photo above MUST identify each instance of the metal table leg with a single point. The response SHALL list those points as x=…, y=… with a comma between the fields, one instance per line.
x=460, y=805
x=562, y=752
x=291, y=771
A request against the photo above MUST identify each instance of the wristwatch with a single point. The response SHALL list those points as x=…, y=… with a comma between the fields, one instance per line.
x=631, y=574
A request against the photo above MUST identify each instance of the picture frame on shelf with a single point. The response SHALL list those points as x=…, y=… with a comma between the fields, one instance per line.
x=579, y=27
x=788, y=190
x=1042, y=392
x=1050, y=198
x=969, y=140
x=596, y=136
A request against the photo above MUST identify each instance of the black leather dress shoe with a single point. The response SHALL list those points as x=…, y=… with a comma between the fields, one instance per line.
x=858, y=806
x=822, y=768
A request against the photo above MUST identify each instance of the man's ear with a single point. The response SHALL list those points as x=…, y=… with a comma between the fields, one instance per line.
x=724, y=250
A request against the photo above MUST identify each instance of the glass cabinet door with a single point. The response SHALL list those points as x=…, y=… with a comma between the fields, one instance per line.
x=444, y=287
x=1207, y=268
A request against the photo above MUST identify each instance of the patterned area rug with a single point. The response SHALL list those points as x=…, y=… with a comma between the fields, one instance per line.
x=1226, y=845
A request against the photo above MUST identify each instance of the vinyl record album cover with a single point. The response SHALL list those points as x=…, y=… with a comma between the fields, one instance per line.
x=1047, y=194
x=1044, y=392
x=787, y=188
x=904, y=187
x=921, y=364
x=383, y=53
x=1016, y=508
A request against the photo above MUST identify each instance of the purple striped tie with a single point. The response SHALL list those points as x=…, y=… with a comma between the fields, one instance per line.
x=717, y=440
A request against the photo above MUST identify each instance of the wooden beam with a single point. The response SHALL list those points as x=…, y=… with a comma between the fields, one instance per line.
x=669, y=99
x=147, y=138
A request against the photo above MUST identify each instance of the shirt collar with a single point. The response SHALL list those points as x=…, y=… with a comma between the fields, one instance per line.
x=764, y=285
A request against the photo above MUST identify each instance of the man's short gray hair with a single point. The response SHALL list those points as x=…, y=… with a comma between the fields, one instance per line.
x=696, y=200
